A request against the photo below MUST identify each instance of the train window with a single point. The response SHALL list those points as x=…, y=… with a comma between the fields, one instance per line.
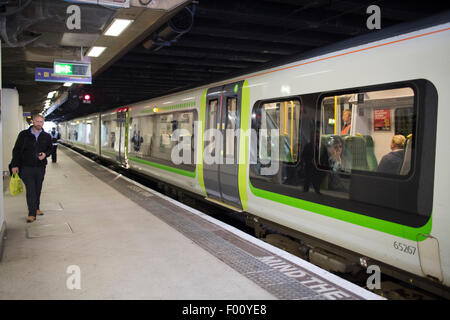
x=150, y=136
x=279, y=118
x=368, y=131
x=110, y=132
x=185, y=122
x=212, y=113
x=348, y=169
x=230, y=127
x=89, y=135
x=404, y=121
x=91, y=131
x=76, y=131
x=140, y=135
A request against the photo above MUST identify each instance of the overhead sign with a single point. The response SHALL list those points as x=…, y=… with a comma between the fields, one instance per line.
x=48, y=75
x=72, y=68
x=63, y=69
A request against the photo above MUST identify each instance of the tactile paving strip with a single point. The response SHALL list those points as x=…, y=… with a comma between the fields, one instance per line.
x=280, y=277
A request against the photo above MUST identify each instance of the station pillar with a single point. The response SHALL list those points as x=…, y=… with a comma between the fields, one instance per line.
x=2, y=219
x=10, y=124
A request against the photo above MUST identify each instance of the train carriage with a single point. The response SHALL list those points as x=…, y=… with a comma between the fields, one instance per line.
x=223, y=135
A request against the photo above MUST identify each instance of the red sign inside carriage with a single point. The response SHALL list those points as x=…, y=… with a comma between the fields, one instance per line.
x=382, y=120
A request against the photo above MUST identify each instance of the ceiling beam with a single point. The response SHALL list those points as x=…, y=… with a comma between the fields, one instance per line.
x=258, y=15
x=239, y=45
x=180, y=51
x=300, y=38
x=186, y=61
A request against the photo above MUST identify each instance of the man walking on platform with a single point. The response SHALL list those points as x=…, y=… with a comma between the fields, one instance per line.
x=30, y=153
x=55, y=137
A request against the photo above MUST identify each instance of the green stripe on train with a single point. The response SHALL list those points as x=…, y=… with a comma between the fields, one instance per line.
x=164, y=167
x=410, y=233
x=172, y=107
x=243, y=145
x=201, y=128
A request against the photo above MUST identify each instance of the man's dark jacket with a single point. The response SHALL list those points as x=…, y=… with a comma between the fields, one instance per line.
x=26, y=149
x=392, y=162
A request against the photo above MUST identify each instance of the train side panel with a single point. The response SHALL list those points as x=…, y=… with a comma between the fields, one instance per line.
x=384, y=62
x=140, y=137
x=151, y=128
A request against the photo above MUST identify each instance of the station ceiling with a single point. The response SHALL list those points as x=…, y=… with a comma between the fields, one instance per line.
x=196, y=43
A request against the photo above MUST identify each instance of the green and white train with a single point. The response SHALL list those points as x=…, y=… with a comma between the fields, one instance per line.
x=397, y=84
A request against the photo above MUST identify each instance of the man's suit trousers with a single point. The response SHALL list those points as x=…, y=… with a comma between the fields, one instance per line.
x=33, y=177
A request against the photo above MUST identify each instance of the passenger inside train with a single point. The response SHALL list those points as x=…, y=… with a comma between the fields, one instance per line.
x=393, y=161
x=347, y=119
x=370, y=120
x=334, y=150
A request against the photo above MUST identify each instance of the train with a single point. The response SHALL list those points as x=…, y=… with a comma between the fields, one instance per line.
x=273, y=146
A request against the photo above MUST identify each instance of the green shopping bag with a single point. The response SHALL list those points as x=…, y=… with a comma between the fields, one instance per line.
x=15, y=185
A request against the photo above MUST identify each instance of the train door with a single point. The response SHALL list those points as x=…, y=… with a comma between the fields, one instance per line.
x=223, y=105
x=122, y=124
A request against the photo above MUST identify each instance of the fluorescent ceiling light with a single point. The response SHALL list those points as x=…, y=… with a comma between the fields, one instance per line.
x=117, y=27
x=95, y=51
x=68, y=84
x=51, y=94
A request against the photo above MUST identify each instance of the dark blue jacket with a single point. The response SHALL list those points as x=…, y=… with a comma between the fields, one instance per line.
x=27, y=149
x=392, y=162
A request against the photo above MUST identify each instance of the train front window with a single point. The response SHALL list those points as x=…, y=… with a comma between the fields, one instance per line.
x=374, y=131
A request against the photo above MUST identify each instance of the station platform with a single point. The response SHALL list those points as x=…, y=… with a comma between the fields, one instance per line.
x=127, y=241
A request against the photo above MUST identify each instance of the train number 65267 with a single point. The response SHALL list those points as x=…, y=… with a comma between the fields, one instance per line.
x=405, y=248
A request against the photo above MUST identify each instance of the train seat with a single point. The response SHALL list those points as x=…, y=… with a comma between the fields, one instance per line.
x=406, y=166
x=323, y=153
x=354, y=153
x=371, y=158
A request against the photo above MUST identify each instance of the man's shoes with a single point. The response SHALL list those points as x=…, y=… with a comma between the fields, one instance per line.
x=39, y=212
x=31, y=219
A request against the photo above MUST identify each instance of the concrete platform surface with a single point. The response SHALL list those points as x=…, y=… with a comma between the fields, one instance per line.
x=94, y=236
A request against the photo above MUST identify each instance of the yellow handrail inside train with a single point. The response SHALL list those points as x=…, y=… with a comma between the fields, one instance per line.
x=292, y=130
x=335, y=114
x=285, y=119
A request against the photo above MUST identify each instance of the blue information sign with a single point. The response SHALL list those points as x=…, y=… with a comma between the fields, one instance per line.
x=47, y=75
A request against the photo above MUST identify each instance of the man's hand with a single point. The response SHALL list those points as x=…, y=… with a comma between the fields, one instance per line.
x=42, y=156
x=15, y=170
